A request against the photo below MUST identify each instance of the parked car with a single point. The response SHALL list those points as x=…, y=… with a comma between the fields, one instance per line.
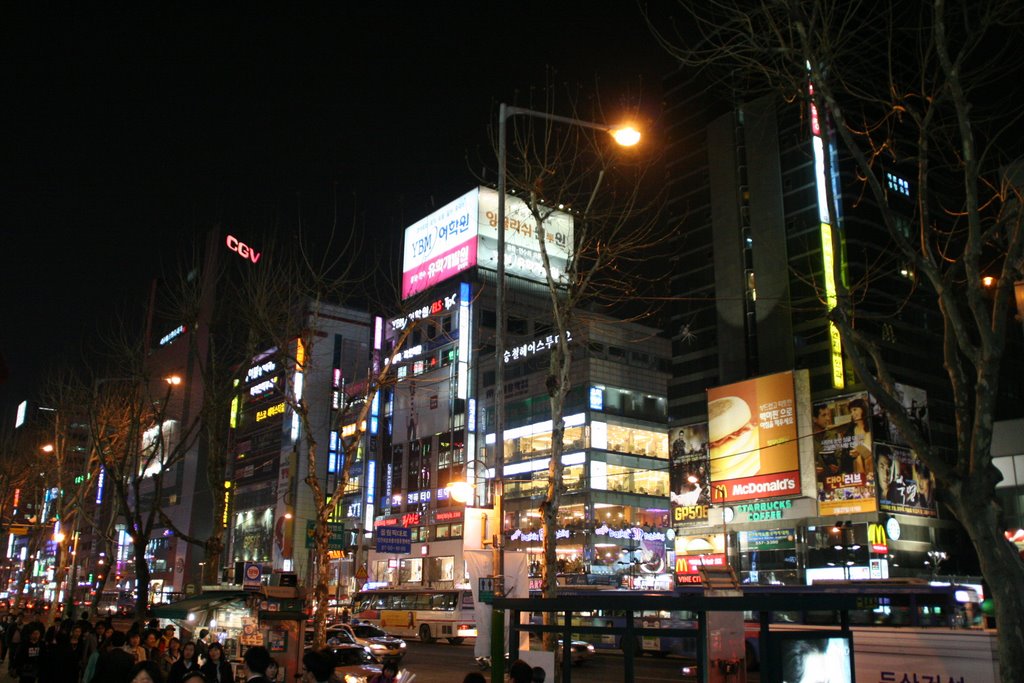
x=352, y=663
x=384, y=646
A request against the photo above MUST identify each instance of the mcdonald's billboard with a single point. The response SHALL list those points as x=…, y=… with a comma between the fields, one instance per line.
x=877, y=539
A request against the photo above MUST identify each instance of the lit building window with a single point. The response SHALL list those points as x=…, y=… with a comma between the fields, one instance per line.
x=897, y=184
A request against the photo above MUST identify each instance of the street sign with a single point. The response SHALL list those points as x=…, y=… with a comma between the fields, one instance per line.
x=394, y=540
x=485, y=592
x=361, y=573
x=335, y=542
x=251, y=576
x=19, y=529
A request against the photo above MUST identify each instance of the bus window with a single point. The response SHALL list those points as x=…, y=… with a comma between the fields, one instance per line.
x=444, y=602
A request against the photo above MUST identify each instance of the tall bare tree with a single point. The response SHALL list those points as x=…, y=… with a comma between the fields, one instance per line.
x=136, y=441
x=286, y=301
x=557, y=170
x=202, y=295
x=921, y=87
x=21, y=468
x=73, y=470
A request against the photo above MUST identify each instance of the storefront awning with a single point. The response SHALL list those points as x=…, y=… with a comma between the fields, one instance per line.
x=197, y=603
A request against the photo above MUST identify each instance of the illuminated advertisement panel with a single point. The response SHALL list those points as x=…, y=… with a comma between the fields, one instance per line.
x=752, y=439
x=905, y=484
x=464, y=233
x=522, y=249
x=689, y=475
x=843, y=457
x=688, y=567
x=813, y=656
x=828, y=250
x=440, y=245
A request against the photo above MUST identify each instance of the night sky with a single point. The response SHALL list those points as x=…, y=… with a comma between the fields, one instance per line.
x=128, y=133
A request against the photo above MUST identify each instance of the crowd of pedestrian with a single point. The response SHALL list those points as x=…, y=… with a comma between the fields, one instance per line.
x=86, y=652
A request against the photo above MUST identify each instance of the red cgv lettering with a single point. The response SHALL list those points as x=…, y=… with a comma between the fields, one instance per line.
x=242, y=249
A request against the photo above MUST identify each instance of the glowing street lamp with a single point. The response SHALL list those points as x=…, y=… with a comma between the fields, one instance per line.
x=173, y=380
x=626, y=136
x=461, y=491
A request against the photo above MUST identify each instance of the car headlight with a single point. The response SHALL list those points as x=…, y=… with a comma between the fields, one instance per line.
x=590, y=648
x=402, y=645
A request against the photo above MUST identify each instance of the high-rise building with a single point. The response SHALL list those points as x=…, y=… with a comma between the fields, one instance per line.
x=271, y=508
x=751, y=282
x=439, y=425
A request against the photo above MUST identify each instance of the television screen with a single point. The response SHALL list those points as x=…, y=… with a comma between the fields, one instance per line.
x=813, y=657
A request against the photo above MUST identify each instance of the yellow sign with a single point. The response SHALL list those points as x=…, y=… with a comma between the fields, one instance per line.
x=262, y=415
x=836, y=344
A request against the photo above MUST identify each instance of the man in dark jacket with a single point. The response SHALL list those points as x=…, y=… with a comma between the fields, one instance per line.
x=257, y=659
x=28, y=661
x=115, y=664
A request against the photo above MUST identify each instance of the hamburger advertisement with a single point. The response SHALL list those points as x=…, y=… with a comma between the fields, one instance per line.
x=752, y=439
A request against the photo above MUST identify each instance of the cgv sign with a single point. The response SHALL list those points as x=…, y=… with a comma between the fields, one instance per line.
x=242, y=249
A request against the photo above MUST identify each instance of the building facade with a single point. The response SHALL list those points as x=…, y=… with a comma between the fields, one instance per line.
x=753, y=274
x=439, y=425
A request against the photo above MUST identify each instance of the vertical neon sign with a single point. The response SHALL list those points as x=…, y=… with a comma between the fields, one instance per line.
x=827, y=247
x=464, y=347
x=300, y=361
x=378, y=341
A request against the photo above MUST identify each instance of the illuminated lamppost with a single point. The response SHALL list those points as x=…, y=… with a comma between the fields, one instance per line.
x=626, y=136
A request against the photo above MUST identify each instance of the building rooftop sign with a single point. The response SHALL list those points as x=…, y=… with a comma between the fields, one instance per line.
x=464, y=234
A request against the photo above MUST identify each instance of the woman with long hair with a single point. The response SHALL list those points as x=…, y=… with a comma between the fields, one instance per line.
x=186, y=664
x=860, y=432
x=217, y=668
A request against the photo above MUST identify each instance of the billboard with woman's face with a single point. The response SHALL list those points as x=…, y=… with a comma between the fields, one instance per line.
x=843, y=457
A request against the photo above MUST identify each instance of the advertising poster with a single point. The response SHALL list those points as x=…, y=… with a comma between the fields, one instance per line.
x=688, y=460
x=440, y=245
x=843, y=458
x=522, y=248
x=753, y=449
x=905, y=485
x=915, y=405
x=464, y=233
x=653, y=558
x=814, y=657
x=420, y=408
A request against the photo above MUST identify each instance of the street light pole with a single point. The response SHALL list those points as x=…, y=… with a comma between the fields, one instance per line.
x=625, y=136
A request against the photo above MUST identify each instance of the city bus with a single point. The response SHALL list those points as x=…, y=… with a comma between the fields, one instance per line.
x=911, y=608
x=428, y=613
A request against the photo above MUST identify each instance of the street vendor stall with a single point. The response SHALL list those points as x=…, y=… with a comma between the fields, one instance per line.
x=238, y=619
